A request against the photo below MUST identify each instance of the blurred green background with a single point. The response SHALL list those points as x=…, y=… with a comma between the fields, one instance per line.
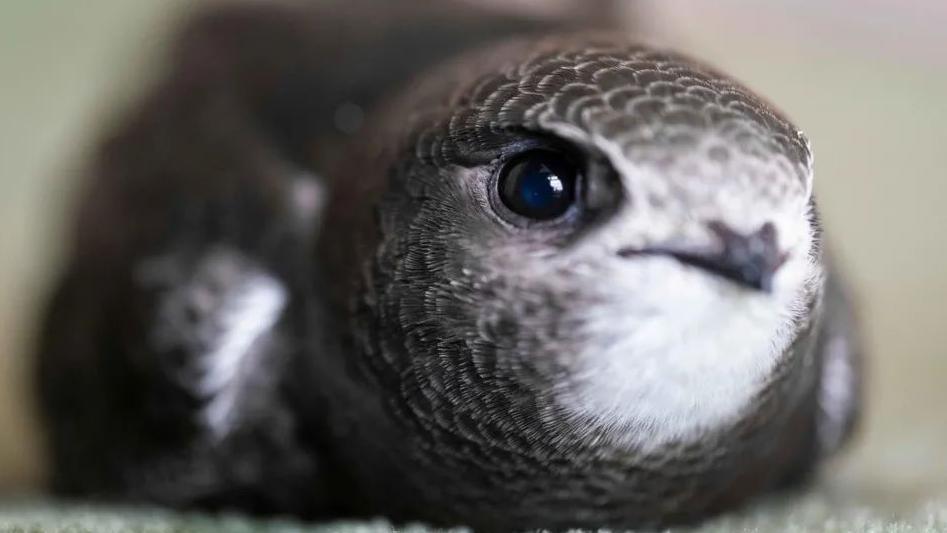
x=866, y=79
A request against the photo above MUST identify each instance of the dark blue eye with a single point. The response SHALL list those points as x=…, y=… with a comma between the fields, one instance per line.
x=538, y=184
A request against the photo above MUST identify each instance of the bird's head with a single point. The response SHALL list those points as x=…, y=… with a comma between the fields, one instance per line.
x=585, y=234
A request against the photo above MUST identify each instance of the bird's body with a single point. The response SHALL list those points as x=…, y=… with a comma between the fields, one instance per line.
x=559, y=281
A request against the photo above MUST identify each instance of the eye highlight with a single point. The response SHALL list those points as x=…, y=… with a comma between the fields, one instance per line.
x=538, y=184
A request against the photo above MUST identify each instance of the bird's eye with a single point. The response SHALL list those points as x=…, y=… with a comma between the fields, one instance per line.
x=539, y=184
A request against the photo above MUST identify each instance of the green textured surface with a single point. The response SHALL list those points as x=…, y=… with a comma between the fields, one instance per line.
x=812, y=512
x=81, y=519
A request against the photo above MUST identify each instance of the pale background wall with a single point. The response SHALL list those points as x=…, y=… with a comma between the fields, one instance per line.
x=866, y=79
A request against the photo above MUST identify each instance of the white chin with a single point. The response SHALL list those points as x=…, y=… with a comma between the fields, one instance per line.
x=685, y=352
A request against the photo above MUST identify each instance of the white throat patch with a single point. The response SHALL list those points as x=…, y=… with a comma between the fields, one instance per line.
x=688, y=355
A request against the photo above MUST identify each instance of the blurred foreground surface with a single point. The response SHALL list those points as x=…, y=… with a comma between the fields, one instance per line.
x=867, y=81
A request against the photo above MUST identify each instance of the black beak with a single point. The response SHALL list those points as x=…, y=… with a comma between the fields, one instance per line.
x=750, y=260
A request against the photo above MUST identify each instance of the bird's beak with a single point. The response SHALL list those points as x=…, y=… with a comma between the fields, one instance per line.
x=749, y=260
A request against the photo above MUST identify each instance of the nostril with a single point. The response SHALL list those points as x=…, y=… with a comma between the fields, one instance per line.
x=762, y=241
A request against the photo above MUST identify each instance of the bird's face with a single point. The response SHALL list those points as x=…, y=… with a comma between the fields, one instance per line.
x=621, y=234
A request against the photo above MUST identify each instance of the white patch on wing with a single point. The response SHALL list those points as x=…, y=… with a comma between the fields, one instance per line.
x=307, y=198
x=218, y=312
x=247, y=313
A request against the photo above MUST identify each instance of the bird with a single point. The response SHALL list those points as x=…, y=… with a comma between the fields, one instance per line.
x=437, y=263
